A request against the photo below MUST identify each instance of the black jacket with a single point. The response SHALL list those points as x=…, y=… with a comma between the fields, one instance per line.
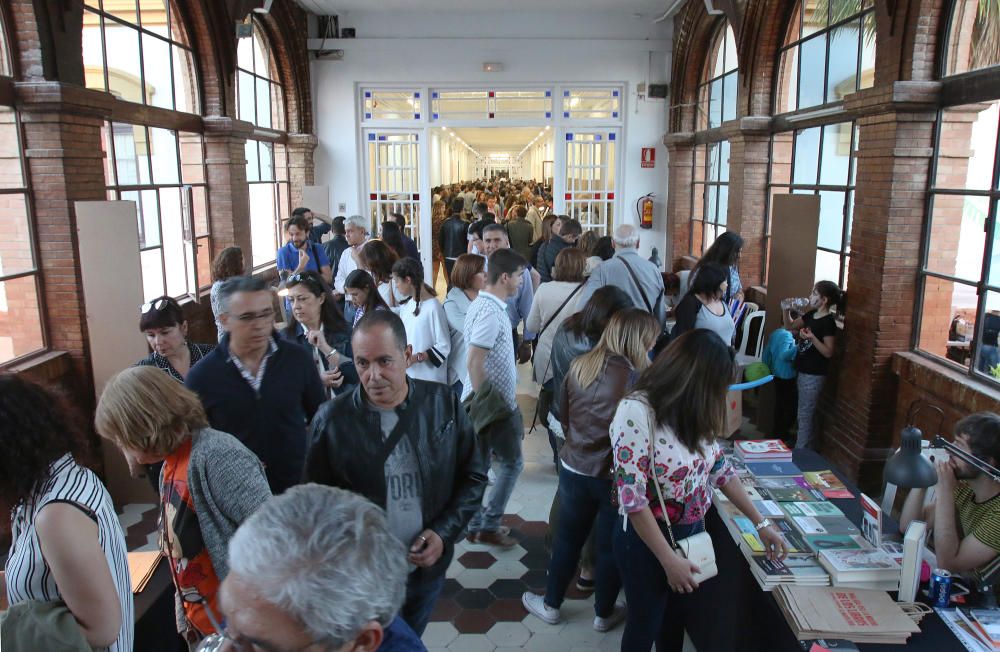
x=346, y=450
x=454, y=237
x=547, y=256
x=271, y=423
x=334, y=248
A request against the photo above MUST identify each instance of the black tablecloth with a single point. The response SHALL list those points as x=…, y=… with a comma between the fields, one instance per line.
x=747, y=619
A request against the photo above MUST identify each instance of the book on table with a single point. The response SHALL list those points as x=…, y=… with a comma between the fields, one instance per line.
x=861, y=568
x=781, y=482
x=790, y=494
x=828, y=483
x=824, y=525
x=984, y=624
x=859, y=615
x=814, y=508
x=763, y=450
x=773, y=468
x=819, y=542
x=794, y=569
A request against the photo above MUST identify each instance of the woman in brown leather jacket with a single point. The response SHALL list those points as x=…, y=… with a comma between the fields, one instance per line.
x=596, y=382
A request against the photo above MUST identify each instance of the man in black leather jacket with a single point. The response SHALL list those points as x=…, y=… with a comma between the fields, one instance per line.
x=408, y=446
x=454, y=236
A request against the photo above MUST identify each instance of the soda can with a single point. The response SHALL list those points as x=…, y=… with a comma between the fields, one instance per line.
x=940, y=588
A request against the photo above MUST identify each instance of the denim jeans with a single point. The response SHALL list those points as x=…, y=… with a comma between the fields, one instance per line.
x=649, y=596
x=501, y=440
x=421, y=596
x=809, y=386
x=582, y=500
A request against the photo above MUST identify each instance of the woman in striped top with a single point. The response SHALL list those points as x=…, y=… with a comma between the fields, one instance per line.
x=67, y=544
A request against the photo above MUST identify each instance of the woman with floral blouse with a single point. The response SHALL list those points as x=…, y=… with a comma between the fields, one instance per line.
x=679, y=403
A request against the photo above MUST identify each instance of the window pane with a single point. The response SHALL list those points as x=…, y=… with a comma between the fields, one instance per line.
x=20, y=318
x=731, y=57
x=245, y=97
x=173, y=241
x=15, y=235
x=93, y=51
x=711, y=203
x=253, y=164
x=831, y=221
x=811, y=80
x=156, y=66
x=192, y=158
x=988, y=356
x=131, y=154
x=827, y=267
x=151, y=262
x=262, y=223
x=781, y=158
x=967, y=146
x=789, y=81
x=867, y=51
x=124, y=76
x=10, y=150
x=806, y=156
x=153, y=14
x=723, y=205
x=263, y=103
x=244, y=54
x=266, y=161
x=713, y=162
x=715, y=104
x=994, y=275
x=729, y=97
x=124, y=9
x=814, y=17
x=944, y=300
x=843, y=74
x=185, y=81
x=836, y=154
x=277, y=107
x=957, y=239
x=261, y=60
x=149, y=223
x=164, y=156
x=199, y=201
x=204, y=262
x=972, y=41
x=724, y=148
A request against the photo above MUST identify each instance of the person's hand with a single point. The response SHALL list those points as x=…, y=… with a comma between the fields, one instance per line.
x=946, y=479
x=806, y=333
x=303, y=259
x=316, y=339
x=332, y=378
x=774, y=543
x=426, y=549
x=680, y=574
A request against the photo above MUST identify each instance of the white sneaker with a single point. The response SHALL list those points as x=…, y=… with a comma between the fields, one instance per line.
x=535, y=604
x=612, y=621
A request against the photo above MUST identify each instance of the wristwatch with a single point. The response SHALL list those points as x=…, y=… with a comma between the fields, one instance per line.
x=763, y=524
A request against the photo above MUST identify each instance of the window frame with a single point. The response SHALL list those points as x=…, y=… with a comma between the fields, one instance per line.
x=720, y=40
x=706, y=183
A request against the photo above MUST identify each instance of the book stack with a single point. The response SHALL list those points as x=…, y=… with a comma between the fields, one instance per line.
x=141, y=566
x=858, y=615
x=984, y=625
x=863, y=569
x=763, y=450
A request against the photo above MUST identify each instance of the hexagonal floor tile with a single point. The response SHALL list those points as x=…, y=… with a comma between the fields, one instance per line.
x=439, y=634
x=535, y=579
x=540, y=627
x=547, y=643
x=476, y=578
x=444, y=610
x=476, y=621
x=472, y=643
x=450, y=588
x=512, y=588
x=474, y=598
x=509, y=634
x=507, y=610
x=477, y=559
x=508, y=569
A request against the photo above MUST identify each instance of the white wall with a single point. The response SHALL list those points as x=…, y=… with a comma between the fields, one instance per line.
x=419, y=48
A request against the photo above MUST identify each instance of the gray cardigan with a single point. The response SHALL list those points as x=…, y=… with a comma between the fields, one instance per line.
x=227, y=485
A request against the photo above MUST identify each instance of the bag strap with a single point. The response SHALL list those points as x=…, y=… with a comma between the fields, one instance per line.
x=656, y=483
x=572, y=294
x=635, y=279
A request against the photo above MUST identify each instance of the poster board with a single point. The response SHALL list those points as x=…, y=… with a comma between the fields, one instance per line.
x=112, y=316
x=790, y=272
x=317, y=199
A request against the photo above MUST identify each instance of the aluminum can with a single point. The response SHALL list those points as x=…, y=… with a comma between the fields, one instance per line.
x=940, y=588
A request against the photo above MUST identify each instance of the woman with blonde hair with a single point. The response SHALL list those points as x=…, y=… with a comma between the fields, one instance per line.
x=209, y=484
x=596, y=382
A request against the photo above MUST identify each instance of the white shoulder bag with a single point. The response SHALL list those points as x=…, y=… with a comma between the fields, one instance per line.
x=697, y=548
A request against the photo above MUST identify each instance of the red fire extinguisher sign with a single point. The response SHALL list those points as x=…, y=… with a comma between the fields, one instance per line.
x=649, y=157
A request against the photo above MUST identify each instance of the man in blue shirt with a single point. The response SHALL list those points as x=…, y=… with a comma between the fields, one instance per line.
x=301, y=254
x=320, y=223
x=518, y=305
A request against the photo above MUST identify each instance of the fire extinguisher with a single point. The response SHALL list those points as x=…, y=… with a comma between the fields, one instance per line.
x=644, y=209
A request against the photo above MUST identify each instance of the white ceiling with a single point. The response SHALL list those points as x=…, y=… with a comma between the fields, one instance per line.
x=505, y=139
x=336, y=7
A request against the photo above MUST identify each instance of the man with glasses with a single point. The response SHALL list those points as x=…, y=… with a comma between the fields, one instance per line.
x=257, y=386
x=336, y=584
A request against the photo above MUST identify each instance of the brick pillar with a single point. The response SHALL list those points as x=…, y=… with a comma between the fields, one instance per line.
x=748, y=165
x=226, y=163
x=894, y=160
x=62, y=140
x=301, y=166
x=681, y=150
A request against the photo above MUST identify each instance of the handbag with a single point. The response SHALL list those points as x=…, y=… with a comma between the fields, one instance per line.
x=697, y=548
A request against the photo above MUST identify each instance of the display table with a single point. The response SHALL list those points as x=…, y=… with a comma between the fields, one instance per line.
x=748, y=619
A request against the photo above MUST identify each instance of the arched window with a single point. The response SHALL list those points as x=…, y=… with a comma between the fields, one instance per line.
x=260, y=100
x=21, y=331
x=828, y=52
x=958, y=309
x=710, y=165
x=138, y=51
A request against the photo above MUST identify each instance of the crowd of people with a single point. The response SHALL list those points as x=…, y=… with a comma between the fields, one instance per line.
x=313, y=481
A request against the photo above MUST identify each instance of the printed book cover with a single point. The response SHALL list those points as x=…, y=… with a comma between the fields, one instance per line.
x=815, y=508
x=874, y=562
x=828, y=483
x=773, y=468
x=763, y=449
x=819, y=542
x=790, y=495
x=781, y=482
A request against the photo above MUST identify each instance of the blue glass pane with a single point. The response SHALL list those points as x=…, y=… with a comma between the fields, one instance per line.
x=611, y=136
x=416, y=96
x=371, y=136
x=806, y=156
x=712, y=161
x=548, y=114
x=597, y=136
x=381, y=138
x=569, y=136
x=836, y=154
x=723, y=205
x=715, y=104
x=416, y=116
x=614, y=114
x=831, y=219
x=565, y=114
x=843, y=62
x=729, y=97
x=565, y=93
x=813, y=53
x=368, y=116
x=614, y=93
x=724, y=161
x=548, y=93
x=368, y=93
x=434, y=95
x=711, y=202
x=435, y=116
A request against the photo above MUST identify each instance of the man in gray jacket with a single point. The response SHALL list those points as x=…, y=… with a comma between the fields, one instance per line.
x=638, y=277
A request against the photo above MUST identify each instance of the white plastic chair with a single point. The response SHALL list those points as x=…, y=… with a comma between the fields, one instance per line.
x=747, y=354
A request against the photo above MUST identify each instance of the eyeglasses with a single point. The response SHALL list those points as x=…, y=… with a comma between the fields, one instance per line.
x=216, y=642
x=155, y=304
x=249, y=317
